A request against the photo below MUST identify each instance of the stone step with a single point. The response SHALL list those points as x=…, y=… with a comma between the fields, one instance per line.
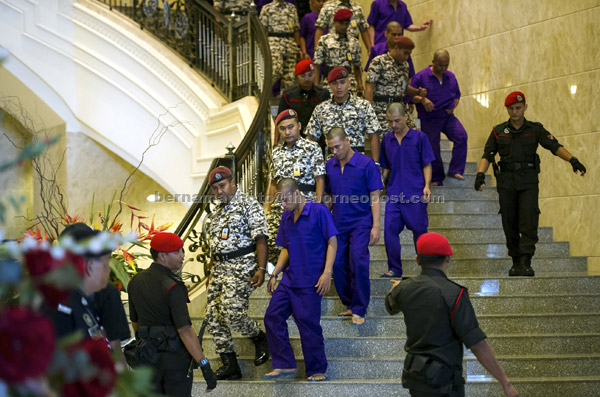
x=472, y=235
x=524, y=304
x=387, y=326
x=461, y=251
x=476, y=386
x=442, y=194
x=462, y=207
x=374, y=347
x=490, y=267
x=391, y=367
x=502, y=286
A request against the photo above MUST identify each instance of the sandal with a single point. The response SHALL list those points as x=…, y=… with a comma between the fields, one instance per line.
x=318, y=378
x=389, y=274
x=347, y=313
x=280, y=374
x=357, y=320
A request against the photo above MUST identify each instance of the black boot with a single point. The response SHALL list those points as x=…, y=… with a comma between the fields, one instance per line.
x=230, y=369
x=526, y=269
x=261, y=354
x=516, y=269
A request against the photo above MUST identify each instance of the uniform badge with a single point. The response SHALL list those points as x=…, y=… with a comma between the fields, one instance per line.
x=519, y=98
x=296, y=170
x=225, y=233
x=506, y=130
x=291, y=25
x=88, y=320
x=349, y=56
x=550, y=137
x=353, y=23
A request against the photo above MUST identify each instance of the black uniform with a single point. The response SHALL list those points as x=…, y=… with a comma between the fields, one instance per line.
x=439, y=318
x=303, y=102
x=77, y=314
x=111, y=313
x=517, y=181
x=158, y=303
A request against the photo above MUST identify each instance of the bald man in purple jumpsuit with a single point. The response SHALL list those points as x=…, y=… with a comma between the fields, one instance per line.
x=406, y=158
x=436, y=113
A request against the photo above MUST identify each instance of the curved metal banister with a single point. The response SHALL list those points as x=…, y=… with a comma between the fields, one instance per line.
x=233, y=54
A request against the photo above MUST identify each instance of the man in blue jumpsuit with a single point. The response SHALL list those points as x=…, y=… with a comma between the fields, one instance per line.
x=406, y=158
x=308, y=237
x=354, y=183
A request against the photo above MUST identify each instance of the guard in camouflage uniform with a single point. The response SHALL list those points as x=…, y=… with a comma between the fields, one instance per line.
x=238, y=7
x=358, y=22
x=296, y=158
x=355, y=115
x=280, y=20
x=340, y=49
x=387, y=80
x=238, y=241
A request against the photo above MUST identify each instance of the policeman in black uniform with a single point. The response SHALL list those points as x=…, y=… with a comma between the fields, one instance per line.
x=78, y=314
x=159, y=314
x=439, y=318
x=304, y=97
x=516, y=140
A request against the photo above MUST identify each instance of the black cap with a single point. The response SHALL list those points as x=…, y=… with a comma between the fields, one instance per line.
x=81, y=232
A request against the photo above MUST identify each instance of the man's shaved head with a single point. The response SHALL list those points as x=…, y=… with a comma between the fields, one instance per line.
x=440, y=53
x=392, y=25
x=396, y=107
x=337, y=131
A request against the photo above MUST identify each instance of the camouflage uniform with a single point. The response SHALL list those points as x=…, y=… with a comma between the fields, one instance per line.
x=356, y=117
x=333, y=51
x=240, y=7
x=281, y=19
x=358, y=22
x=303, y=162
x=390, y=79
x=232, y=227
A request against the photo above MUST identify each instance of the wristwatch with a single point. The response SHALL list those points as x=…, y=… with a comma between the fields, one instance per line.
x=203, y=362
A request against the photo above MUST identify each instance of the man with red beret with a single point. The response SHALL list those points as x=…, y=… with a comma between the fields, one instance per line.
x=436, y=112
x=337, y=48
x=516, y=140
x=393, y=32
x=158, y=310
x=439, y=319
x=352, y=113
x=238, y=243
x=388, y=81
x=304, y=97
x=281, y=22
x=298, y=159
x=358, y=22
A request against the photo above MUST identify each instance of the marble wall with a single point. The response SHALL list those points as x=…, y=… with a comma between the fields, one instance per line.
x=550, y=50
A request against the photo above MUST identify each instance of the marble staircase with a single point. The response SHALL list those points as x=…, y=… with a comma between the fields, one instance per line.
x=544, y=330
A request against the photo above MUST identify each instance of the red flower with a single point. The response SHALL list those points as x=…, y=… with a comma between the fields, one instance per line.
x=26, y=344
x=104, y=376
x=39, y=262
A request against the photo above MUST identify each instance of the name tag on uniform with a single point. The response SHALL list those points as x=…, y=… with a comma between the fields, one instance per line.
x=225, y=233
x=353, y=23
x=349, y=56
x=291, y=25
x=296, y=170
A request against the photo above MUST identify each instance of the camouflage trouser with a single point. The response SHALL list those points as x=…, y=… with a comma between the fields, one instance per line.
x=229, y=289
x=273, y=221
x=380, y=108
x=284, y=52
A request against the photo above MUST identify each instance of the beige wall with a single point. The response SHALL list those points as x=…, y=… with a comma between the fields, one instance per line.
x=542, y=48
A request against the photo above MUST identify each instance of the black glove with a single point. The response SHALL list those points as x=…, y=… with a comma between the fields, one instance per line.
x=209, y=376
x=577, y=166
x=479, y=180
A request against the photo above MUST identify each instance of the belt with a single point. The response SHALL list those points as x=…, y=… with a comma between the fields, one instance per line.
x=305, y=187
x=387, y=98
x=281, y=34
x=504, y=166
x=360, y=149
x=233, y=254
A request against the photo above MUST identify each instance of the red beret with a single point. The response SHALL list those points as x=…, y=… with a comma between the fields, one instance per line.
x=166, y=242
x=218, y=174
x=433, y=244
x=304, y=66
x=514, y=97
x=337, y=73
x=404, y=42
x=286, y=114
x=342, y=15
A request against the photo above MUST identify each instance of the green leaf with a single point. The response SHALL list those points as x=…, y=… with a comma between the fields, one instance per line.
x=118, y=268
x=133, y=383
x=91, y=221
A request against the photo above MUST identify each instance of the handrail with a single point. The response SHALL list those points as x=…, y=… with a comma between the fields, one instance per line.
x=234, y=55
